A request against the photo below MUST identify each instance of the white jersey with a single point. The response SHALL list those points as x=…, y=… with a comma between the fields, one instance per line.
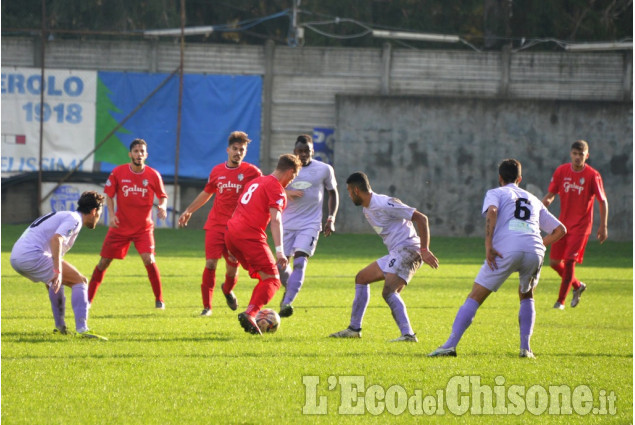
x=521, y=216
x=36, y=238
x=392, y=220
x=306, y=212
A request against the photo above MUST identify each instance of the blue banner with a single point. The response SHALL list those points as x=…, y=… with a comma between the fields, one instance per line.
x=213, y=107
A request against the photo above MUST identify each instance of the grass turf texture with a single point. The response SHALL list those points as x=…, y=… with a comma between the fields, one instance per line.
x=174, y=367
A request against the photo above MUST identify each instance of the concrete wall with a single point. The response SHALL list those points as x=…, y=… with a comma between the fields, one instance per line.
x=440, y=155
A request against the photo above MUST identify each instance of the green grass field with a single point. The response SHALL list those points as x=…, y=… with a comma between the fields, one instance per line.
x=173, y=367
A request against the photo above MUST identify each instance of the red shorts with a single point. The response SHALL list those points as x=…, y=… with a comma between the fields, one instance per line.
x=254, y=255
x=116, y=245
x=215, y=245
x=570, y=247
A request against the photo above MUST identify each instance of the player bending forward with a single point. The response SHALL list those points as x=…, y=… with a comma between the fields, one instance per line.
x=392, y=220
x=262, y=201
x=38, y=255
x=514, y=218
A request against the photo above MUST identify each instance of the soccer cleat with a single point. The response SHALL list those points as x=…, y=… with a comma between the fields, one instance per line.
x=347, y=333
x=232, y=302
x=249, y=324
x=286, y=310
x=526, y=353
x=558, y=306
x=577, y=293
x=406, y=338
x=443, y=352
x=89, y=334
x=206, y=312
x=160, y=305
x=61, y=331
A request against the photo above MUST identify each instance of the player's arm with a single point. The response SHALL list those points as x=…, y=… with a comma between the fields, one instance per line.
x=490, y=224
x=56, y=253
x=334, y=203
x=163, y=208
x=294, y=193
x=197, y=203
x=603, y=231
x=421, y=222
x=113, y=221
x=548, y=199
x=276, y=234
x=558, y=233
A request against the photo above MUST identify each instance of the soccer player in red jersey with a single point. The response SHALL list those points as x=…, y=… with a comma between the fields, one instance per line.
x=578, y=185
x=226, y=181
x=135, y=186
x=262, y=201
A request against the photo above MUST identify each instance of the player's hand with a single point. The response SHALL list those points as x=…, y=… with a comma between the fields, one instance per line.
x=283, y=261
x=163, y=213
x=490, y=257
x=603, y=233
x=56, y=282
x=428, y=257
x=329, y=228
x=113, y=221
x=294, y=194
x=184, y=218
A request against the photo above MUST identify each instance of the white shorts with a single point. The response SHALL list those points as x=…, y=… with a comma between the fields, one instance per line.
x=36, y=266
x=527, y=264
x=304, y=240
x=403, y=262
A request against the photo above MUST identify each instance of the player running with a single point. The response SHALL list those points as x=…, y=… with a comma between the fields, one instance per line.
x=135, y=186
x=393, y=221
x=262, y=201
x=302, y=219
x=513, y=220
x=38, y=255
x=226, y=181
x=577, y=184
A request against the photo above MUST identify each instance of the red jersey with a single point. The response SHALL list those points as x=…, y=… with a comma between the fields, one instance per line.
x=227, y=183
x=577, y=190
x=135, y=194
x=252, y=212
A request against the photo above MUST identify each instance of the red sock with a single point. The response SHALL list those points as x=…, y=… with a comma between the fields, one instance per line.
x=155, y=281
x=95, y=281
x=262, y=294
x=207, y=287
x=567, y=280
x=230, y=283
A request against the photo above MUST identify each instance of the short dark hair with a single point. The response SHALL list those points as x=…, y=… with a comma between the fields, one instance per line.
x=304, y=138
x=89, y=201
x=136, y=142
x=580, y=145
x=510, y=170
x=238, y=137
x=359, y=180
x=289, y=162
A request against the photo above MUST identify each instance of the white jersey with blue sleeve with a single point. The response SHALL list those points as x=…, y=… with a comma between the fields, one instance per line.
x=521, y=217
x=392, y=220
x=305, y=212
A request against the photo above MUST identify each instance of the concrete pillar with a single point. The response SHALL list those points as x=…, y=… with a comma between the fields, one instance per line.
x=506, y=64
x=386, y=61
x=628, y=76
x=267, y=105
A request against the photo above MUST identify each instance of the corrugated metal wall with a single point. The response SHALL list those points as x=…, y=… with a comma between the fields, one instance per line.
x=305, y=80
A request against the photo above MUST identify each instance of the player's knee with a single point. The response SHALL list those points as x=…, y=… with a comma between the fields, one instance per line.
x=299, y=263
x=387, y=292
x=104, y=263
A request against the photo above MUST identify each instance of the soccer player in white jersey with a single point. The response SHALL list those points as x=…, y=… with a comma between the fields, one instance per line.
x=37, y=255
x=302, y=219
x=393, y=221
x=513, y=243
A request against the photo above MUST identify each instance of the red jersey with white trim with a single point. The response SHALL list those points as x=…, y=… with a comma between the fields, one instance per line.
x=252, y=212
x=134, y=194
x=227, y=184
x=577, y=190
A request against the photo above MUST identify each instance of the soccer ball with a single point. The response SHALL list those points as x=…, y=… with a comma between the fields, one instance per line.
x=267, y=320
